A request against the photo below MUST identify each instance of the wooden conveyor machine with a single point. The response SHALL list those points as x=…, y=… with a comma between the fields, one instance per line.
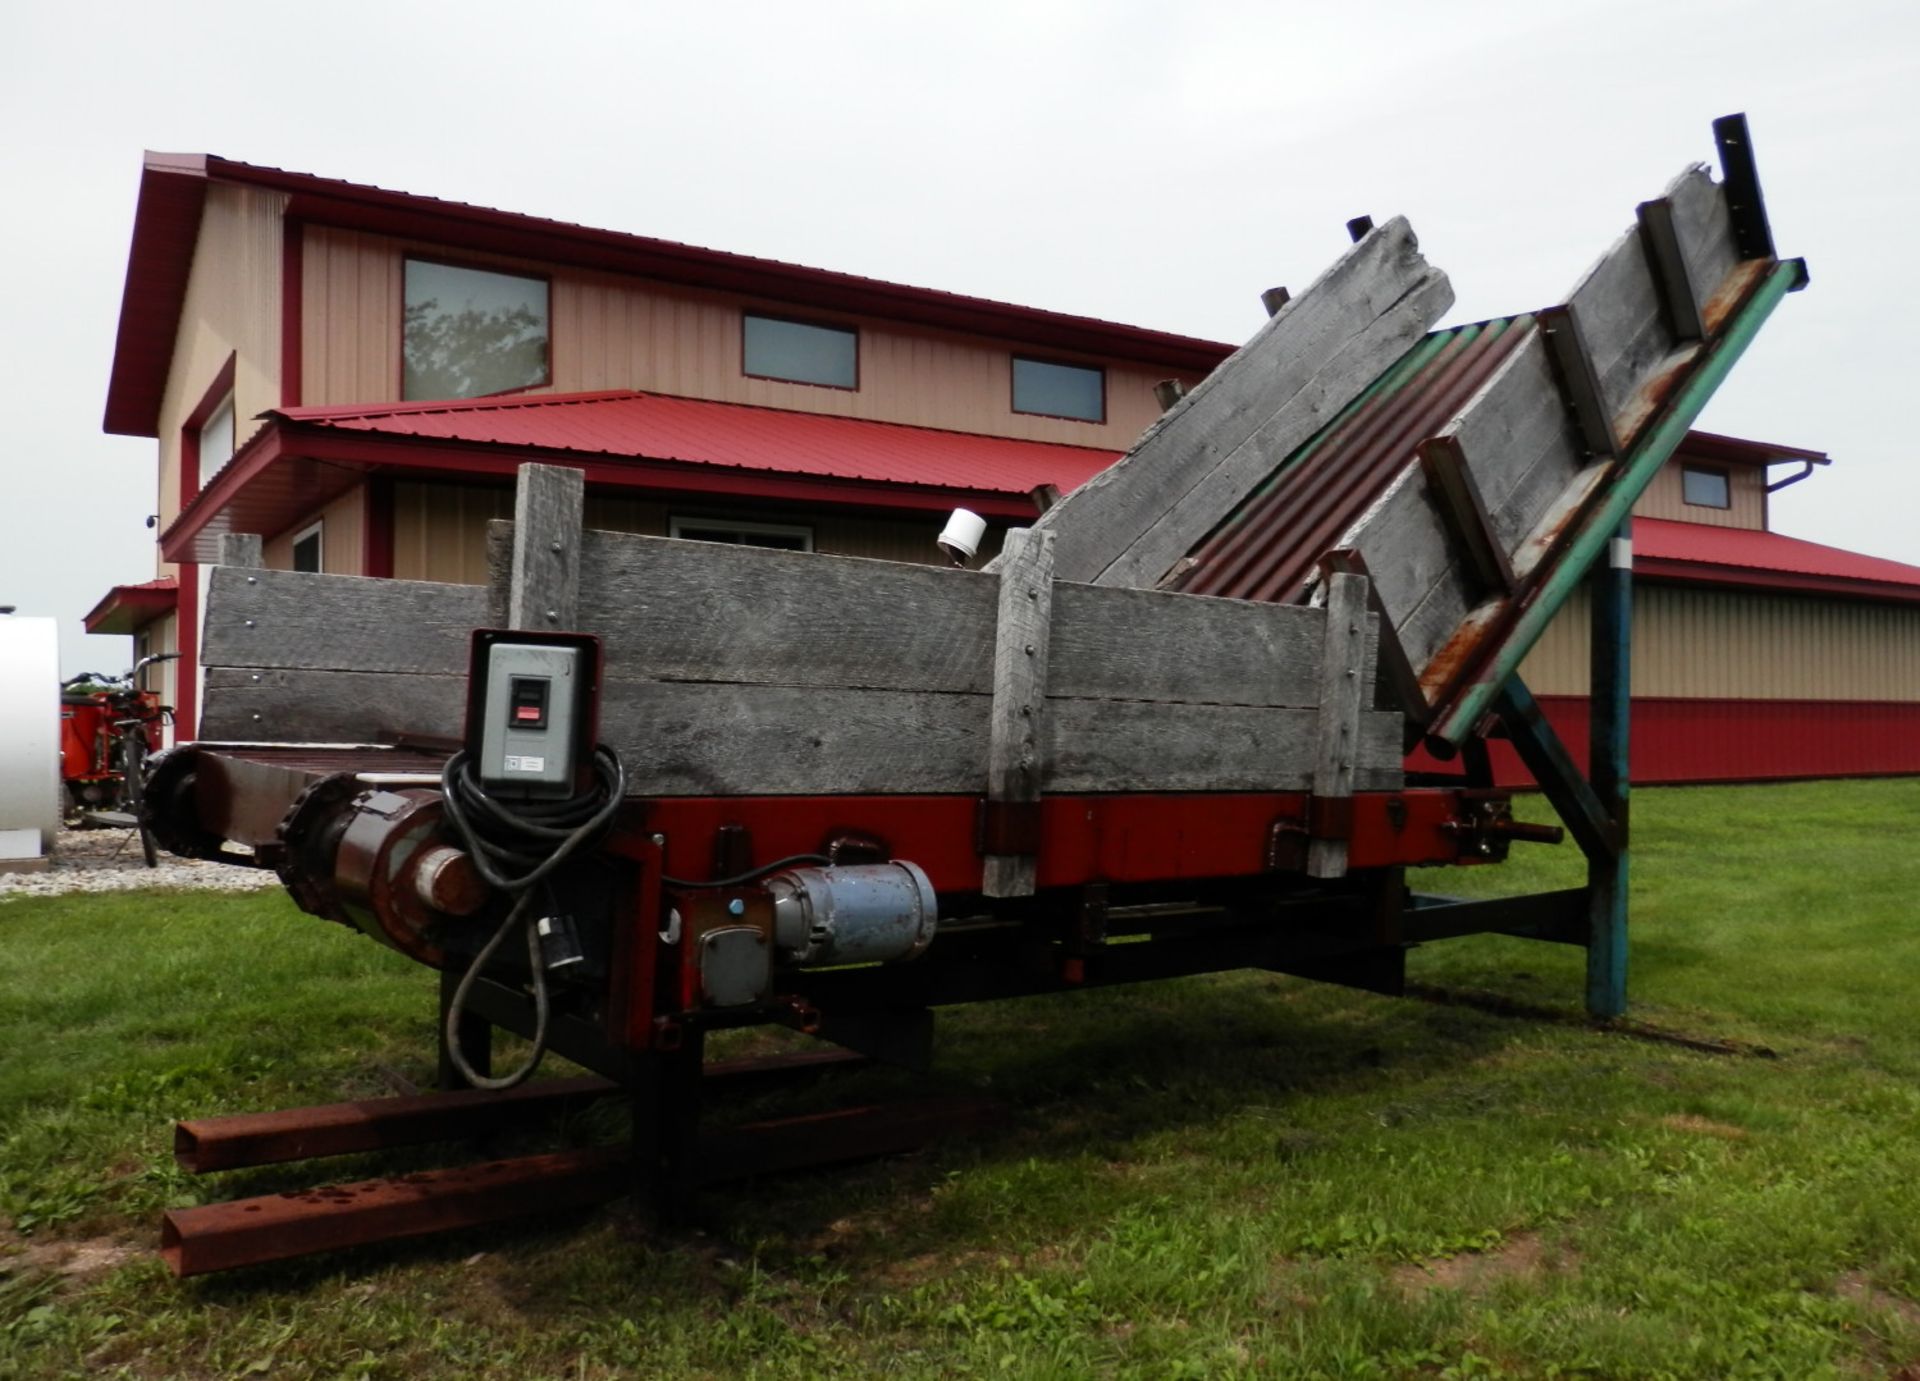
x=1162, y=734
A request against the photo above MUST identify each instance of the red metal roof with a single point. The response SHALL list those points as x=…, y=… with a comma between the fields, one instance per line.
x=125, y=607
x=173, y=192
x=1696, y=552
x=305, y=457
x=695, y=431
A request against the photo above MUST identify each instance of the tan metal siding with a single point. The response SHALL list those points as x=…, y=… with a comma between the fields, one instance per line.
x=613, y=332
x=440, y=530
x=1746, y=489
x=232, y=307
x=350, y=302
x=1692, y=642
x=342, y=537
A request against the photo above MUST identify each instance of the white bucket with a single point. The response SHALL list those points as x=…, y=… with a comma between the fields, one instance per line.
x=30, y=727
x=960, y=538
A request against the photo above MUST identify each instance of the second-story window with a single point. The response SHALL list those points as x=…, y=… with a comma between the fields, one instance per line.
x=471, y=332
x=1059, y=390
x=1707, y=488
x=799, y=352
x=216, y=440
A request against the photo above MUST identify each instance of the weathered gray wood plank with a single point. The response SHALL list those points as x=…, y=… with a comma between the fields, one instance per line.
x=1016, y=722
x=308, y=706
x=672, y=610
x=299, y=620
x=1146, y=645
x=242, y=549
x=1343, y=698
x=1343, y=374
x=687, y=739
x=1107, y=514
x=1098, y=746
x=549, y=508
x=1704, y=226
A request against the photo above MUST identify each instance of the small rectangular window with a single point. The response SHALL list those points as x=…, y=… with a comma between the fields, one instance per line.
x=472, y=332
x=1707, y=488
x=799, y=353
x=307, y=552
x=216, y=441
x=1059, y=390
x=779, y=536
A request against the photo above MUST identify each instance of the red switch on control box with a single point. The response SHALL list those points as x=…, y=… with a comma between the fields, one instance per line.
x=528, y=699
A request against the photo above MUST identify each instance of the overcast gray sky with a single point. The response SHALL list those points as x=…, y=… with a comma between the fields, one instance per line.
x=1146, y=163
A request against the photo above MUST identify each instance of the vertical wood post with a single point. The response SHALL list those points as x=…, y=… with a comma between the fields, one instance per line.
x=1016, y=732
x=243, y=549
x=1343, y=686
x=1612, y=680
x=549, y=518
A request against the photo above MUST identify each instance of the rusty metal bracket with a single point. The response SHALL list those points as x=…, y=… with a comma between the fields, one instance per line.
x=1006, y=827
x=1324, y=817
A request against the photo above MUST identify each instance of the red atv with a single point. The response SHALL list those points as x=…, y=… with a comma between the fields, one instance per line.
x=108, y=726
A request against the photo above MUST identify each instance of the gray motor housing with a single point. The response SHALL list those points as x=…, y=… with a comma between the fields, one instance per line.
x=868, y=913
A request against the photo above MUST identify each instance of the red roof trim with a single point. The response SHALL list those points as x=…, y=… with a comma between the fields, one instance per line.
x=1748, y=578
x=125, y=607
x=305, y=457
x=1735, y=450
x=166, y=226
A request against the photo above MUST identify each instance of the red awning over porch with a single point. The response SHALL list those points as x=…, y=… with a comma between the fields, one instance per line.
x=306, y=457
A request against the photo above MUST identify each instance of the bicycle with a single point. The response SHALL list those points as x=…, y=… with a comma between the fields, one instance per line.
x=109, y=726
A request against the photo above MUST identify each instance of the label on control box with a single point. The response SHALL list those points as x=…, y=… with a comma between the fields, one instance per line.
x=525, y=764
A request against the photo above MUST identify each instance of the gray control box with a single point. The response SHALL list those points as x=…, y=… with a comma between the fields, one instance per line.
x=530, y=729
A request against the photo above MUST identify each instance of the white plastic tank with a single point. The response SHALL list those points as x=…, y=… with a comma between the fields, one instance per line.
x=29, y=735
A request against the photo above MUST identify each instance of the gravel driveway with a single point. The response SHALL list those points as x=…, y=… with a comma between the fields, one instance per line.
x=110, y=861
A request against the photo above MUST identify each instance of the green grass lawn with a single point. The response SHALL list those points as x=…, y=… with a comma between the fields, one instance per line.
x=1233, y=1176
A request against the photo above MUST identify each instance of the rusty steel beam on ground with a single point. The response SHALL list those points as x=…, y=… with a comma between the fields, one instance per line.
x=279, y=1227
x=376, y=1124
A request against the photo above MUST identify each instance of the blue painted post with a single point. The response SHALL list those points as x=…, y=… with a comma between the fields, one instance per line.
x=1611, y=672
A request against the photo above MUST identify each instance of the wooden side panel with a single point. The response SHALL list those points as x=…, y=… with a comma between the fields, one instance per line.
x=734, y=670
x=290, y=620
x=1522, y=444
x=232, y=307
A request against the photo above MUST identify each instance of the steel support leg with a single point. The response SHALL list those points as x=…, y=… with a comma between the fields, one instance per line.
x=475, y=1036
x=1611, y=671
x=666, y=1126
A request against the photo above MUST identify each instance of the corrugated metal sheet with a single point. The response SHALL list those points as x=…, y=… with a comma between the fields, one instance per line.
x=1677, y=742
x=1771, y=552
x=126, y=607
x=649, y=426
x=1267, y=548
x=1699, y=642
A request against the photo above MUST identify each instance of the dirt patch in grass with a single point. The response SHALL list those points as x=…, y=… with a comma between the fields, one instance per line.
x=1520, y=1257
x=1856, y=1287
x=81, y=1259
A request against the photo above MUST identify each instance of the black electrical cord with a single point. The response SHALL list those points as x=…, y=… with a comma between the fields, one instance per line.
x=751, y=873
x=516, y=848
